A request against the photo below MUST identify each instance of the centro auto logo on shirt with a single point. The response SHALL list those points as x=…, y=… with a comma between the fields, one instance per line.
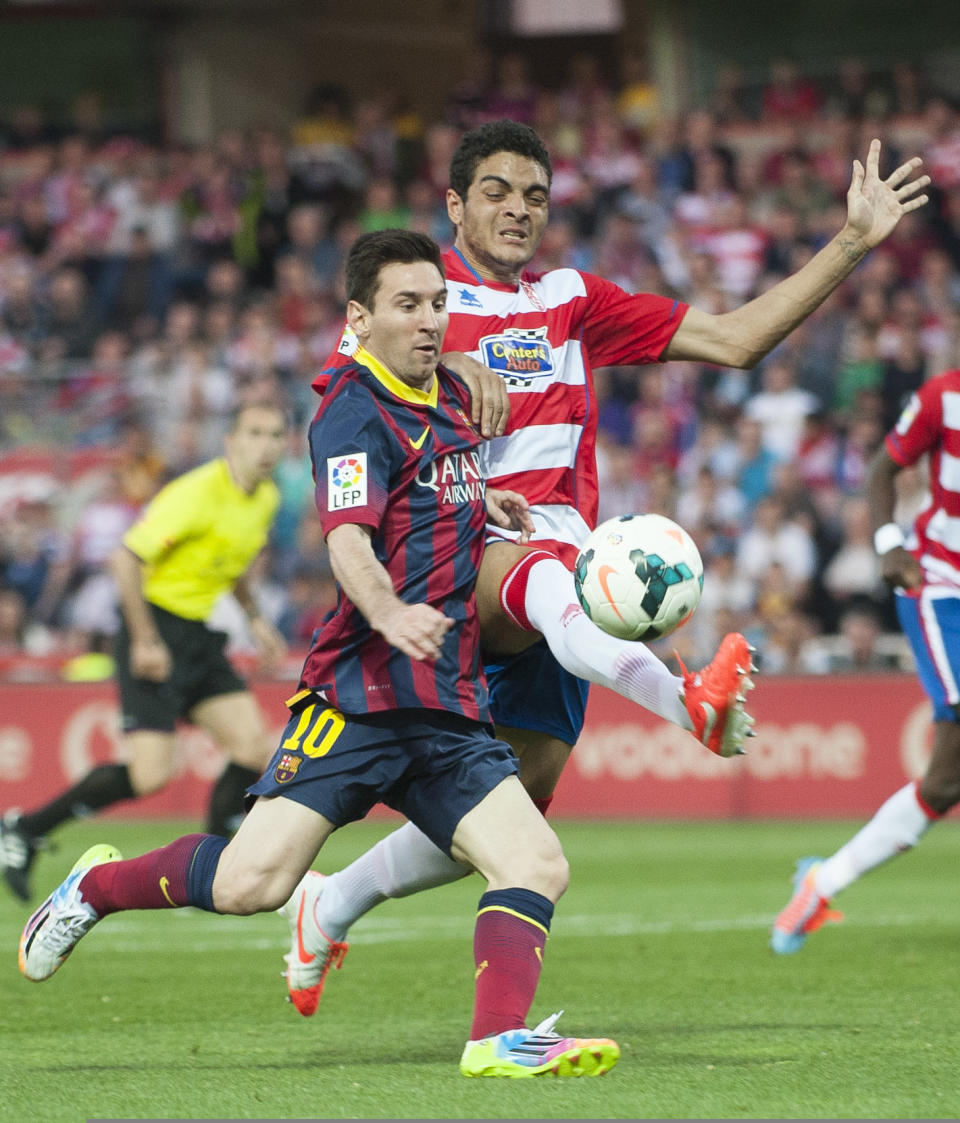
x=346, y=481
x=518, y=353
x=455, y=478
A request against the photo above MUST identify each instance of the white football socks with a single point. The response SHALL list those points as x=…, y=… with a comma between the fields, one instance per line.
x=898, y=825
x=404, y=862
x=578, y=645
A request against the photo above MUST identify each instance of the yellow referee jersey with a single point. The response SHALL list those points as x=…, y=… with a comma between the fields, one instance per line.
x=198, y=536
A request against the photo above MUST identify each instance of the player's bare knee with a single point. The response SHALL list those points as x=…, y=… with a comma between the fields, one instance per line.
x=249, y=746
x=543, y=869
x=553, y=877
x=243, y=892
x=940, y=793
x=940, y=786
x=145, y=779
x=251, y=753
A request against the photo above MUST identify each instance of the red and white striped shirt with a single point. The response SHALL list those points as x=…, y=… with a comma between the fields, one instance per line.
x=545, y=335
x=930, y=423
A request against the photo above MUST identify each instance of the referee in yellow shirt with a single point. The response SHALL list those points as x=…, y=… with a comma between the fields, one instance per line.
x=195, y=541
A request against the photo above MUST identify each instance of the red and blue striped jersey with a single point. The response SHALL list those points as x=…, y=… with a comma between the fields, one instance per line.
x=403, y=462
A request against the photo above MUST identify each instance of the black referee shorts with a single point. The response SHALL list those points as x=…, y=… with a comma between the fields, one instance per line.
x=201, y=670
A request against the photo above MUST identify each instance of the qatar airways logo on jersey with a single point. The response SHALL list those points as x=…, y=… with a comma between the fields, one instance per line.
x=455, y=478
x=519, y=355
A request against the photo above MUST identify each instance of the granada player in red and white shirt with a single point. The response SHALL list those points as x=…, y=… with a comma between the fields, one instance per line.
x=924, y=569
x=544, y=334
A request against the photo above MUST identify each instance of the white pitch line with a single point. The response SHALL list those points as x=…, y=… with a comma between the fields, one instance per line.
x=249, y=933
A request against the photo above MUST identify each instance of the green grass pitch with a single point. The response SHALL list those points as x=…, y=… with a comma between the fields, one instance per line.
x=660, y=942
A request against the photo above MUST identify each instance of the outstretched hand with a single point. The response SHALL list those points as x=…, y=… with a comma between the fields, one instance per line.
x=875, y=205
x=510, y=510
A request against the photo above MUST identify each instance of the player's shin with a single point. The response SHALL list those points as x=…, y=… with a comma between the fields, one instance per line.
x=403, y=863
x=101, y=787
x=508, y=945
x=101, y=882
x=897, y=826
x=174, y=876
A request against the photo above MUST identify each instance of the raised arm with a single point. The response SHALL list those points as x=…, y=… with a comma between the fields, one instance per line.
x=742, y=337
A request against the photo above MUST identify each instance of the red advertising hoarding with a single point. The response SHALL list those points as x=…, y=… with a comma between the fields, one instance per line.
x=824, y=748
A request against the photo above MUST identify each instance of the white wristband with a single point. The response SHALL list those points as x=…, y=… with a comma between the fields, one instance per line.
x=888, y=538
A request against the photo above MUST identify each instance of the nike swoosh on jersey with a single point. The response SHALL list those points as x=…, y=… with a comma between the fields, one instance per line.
x=418, y=443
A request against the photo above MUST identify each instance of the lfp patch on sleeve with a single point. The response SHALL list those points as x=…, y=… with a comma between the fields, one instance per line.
x=346, y=481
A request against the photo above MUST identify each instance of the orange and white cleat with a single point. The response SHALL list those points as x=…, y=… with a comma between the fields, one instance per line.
x=805, y=912
x=312, y=953
x=715, y=697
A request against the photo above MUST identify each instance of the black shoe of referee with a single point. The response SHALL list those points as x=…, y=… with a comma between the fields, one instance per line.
x=17, y=852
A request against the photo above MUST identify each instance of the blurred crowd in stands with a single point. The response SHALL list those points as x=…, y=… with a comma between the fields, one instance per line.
x=147, y=288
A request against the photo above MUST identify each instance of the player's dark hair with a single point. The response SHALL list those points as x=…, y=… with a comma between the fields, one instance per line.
x=495, y=136
x=370, y=252
x=257, y=403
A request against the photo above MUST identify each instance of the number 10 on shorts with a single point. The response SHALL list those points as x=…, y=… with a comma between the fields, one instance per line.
x=316, y=732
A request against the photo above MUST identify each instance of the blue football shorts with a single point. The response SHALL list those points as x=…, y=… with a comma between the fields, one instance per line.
x=931, y=622
x=532, y=691
x=429, y=765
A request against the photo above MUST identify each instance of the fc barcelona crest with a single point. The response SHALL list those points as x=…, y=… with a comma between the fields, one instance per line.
x=287, y=768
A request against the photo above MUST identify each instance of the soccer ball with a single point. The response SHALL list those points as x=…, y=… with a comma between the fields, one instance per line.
x=639, y=577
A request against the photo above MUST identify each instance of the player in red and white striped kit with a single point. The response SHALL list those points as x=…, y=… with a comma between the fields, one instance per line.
x=543, y=334
x=924, y=569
